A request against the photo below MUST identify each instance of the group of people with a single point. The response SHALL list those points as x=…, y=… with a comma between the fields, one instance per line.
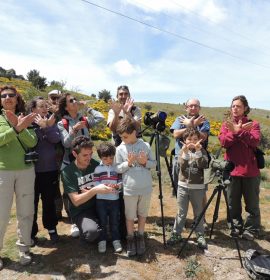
x=119, y=186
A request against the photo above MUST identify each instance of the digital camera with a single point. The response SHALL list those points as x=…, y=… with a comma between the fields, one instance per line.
x=30, y=156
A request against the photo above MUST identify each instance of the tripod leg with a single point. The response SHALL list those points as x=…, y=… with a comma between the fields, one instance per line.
x=197, y=221
x=215, y=215
x=234, y=236
x=171, y=177
x=156, y=136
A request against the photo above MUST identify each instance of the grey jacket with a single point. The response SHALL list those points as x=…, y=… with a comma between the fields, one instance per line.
x=137, y=179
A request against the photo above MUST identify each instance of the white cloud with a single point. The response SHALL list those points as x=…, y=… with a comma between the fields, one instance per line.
x=125, y=68
x=207, y=9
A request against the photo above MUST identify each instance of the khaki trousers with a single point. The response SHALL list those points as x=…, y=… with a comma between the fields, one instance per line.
x=20, y=183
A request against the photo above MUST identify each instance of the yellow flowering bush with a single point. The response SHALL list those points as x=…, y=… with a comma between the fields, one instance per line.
x=101, y=131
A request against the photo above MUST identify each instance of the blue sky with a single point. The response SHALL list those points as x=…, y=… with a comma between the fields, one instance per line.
x=92, y=49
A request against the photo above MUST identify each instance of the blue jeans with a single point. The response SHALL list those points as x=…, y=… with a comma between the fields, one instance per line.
x=108, y=208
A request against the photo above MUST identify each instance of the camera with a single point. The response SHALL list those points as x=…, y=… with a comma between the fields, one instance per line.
x=222, y=168
x=156, y=120
x=30, y=156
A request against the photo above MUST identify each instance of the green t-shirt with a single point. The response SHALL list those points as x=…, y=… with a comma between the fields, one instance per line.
x=74, y=180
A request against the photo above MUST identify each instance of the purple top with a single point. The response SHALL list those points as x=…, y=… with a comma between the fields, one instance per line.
x=47, y=139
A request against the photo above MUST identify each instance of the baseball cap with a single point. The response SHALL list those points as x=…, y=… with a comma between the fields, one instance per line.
x=54, y=92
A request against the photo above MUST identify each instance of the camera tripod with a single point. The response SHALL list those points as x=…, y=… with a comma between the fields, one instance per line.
x=156, y=137
x=220, y=188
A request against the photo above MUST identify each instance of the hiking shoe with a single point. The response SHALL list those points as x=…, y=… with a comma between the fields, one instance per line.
x=247, y=235
x=174, y=239
x=131, y=246
x=140, y=244
x=25, y=258
x=74, y=231
x=117, y=246
x=201, y=241
x=54, y=237
x=102, y=246
x=1, y=264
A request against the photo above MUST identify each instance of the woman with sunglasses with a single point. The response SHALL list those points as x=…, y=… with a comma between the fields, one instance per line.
x=16, y=176
x=73, y=124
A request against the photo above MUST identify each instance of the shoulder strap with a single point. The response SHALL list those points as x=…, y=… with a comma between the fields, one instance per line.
x=83, y=118
x=65, y=123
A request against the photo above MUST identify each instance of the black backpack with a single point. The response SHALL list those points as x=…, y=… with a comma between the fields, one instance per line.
x=257, y=265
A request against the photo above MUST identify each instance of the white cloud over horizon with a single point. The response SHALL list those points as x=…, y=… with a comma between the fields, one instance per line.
x=92, y=49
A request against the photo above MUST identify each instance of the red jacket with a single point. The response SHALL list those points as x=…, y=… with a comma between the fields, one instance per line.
x=240, y=148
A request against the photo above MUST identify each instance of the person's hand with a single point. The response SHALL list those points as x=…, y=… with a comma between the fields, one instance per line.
x=128, y=105
x=199, y=120
x=184, y=147
x=51, y=120
x=79, y=125
x=232, y=126
x=103, y=189
x=198, y=145
x=186, y=121
x=24, y=121
x=247, y=126
x=53, y=108
x=11, y=117
x=115, y=106
x=42, y=122
x=142, y=158
x=131, y=158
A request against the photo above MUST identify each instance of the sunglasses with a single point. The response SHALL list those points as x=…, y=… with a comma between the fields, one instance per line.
x=10, y=95
x=54, y=98
x=72, y=100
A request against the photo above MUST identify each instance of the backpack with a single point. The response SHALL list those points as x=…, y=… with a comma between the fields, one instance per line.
x=257, y=265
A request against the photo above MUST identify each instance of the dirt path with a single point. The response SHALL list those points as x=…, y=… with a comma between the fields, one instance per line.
x=70, y=259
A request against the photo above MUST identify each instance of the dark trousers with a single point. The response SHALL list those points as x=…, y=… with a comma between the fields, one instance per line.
x=108, y=208
x=249, y=189
x=46, y=184
x=86, y=222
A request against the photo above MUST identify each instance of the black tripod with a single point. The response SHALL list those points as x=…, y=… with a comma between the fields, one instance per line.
x=220, y=188
x=155, y=136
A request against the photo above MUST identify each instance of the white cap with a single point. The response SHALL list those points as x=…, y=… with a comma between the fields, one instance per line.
x=54, y=92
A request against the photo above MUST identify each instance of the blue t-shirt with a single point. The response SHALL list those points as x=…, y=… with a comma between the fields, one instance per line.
x=204, y=127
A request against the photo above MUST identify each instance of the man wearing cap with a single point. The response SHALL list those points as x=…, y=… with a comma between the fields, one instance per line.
x=53, y=98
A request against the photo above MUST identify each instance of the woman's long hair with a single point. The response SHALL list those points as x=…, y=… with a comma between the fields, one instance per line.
x=63, y=104
x=20, y=106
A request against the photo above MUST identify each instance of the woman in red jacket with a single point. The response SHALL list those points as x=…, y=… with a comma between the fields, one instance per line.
x=240, y=136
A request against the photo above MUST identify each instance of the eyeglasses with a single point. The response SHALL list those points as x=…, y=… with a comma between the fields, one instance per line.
x=72, y=100
x=193, y=106
x=10, y=95
x=54, y=98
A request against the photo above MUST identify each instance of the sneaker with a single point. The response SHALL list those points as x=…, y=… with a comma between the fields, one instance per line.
x=25, y=258
x=54, y=237
x=102, y=246
x=174, y=239
x=74, y=231
x=1, y=264
x=140, y=244
x=248, y=235
x=131, y=247
x=117, y=246
x=201, y=241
